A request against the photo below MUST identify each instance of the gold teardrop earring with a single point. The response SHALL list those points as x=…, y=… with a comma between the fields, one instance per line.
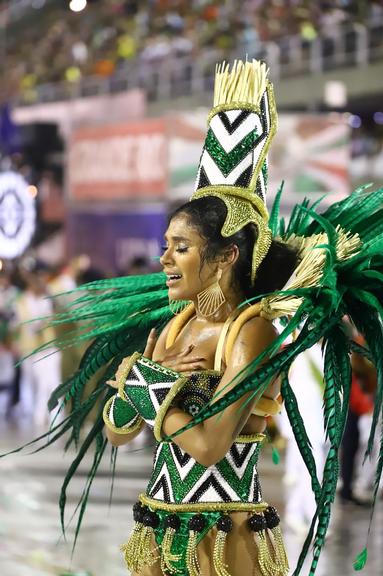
x=210, y=300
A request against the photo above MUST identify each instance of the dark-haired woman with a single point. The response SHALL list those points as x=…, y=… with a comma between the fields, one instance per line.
x=196, y=257
x=208, y=379
x=203, y=511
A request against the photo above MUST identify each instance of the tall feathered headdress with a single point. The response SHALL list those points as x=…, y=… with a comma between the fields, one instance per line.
x=233, y=165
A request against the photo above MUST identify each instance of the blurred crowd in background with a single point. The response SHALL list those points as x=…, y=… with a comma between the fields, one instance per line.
x=58, y=45
x=26, y=291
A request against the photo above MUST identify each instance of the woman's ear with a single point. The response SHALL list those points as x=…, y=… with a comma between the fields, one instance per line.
x=229, y=257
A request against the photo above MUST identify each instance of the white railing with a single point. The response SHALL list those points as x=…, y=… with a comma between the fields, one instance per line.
x=14, y=10
x=355, y=45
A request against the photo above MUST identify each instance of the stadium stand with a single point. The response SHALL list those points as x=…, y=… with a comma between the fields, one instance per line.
x=168, y=46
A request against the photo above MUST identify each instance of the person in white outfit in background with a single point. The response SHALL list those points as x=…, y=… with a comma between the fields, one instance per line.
x=8, y=371
x=40, y=374
x=306, y=378
x=365, y=467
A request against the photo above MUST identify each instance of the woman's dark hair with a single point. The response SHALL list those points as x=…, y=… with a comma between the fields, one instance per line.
x=208, y=215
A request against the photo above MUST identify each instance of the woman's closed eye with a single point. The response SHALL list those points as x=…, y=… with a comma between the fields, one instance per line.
x=179, y=249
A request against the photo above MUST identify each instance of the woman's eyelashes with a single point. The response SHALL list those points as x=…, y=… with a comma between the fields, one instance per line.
x=180, y=249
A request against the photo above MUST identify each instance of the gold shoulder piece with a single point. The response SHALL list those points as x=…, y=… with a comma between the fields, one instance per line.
x=246, y=315
x=266, y=407
x=250, y=438
x=178, y=323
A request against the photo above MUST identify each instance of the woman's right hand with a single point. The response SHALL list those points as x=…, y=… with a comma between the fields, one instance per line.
x=114, y=383
x=150, y=344
x=183, y=361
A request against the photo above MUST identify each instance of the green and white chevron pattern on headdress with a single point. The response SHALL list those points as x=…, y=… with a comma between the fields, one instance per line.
x=233, y=163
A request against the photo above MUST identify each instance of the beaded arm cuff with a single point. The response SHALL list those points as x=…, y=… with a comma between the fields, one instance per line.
x=190, y=394
x=120, y=416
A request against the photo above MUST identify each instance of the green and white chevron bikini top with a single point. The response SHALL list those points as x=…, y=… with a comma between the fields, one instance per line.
x=185, y=499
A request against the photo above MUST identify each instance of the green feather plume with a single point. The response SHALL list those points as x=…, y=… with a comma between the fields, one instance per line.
x=361, y=560
x=300, y=434
x=274, y=213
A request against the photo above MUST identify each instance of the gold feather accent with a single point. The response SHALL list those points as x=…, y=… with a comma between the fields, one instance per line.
x=309, y=271
x=245, y=83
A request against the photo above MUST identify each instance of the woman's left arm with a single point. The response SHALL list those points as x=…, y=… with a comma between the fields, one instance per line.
x=209, y=441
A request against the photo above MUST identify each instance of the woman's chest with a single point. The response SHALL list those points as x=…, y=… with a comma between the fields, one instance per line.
x=203, y=339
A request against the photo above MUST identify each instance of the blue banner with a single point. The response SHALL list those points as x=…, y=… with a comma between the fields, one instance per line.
x=114, y=240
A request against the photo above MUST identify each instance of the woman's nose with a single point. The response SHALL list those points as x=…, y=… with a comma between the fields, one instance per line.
x=166, y=257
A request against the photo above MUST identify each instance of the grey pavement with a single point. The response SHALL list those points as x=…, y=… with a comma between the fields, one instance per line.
x=31, y=543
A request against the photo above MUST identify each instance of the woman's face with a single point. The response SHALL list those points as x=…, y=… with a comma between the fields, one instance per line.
x=181, y=261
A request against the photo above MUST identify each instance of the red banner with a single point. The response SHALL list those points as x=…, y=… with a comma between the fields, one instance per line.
x=118, y=161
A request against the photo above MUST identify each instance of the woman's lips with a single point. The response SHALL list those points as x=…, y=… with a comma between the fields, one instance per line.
x=172, y=281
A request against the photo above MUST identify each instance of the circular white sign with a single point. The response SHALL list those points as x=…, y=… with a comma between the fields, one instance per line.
x=17, y=215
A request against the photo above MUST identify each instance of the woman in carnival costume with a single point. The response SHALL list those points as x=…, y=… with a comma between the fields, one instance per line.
x=217, y=368
x=203, y=511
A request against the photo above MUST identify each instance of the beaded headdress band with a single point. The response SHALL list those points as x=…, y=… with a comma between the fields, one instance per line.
x=233, y=165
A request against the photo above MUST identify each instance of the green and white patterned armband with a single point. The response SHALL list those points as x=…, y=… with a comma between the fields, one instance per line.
x=120, y=416
x=148, y=386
